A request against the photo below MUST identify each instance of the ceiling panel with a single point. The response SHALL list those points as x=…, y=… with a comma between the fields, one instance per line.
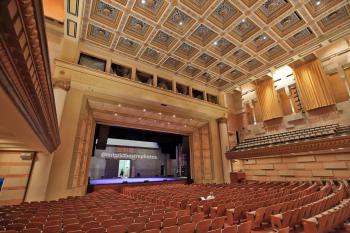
x=219, y=43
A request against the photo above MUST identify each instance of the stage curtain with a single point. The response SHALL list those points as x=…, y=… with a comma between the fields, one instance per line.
x=268, y=100
x=338, y=88
x=313, y=85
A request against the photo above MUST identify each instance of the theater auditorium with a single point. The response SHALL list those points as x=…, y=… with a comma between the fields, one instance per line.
x=175, y=116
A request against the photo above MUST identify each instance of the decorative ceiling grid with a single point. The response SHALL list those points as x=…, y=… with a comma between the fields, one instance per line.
x=219, y=43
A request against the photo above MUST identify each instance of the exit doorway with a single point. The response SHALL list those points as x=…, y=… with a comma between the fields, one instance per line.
x=124, y=168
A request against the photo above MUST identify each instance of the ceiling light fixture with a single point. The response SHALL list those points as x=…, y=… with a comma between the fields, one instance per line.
x=181, y=23
x=243, y=20
x=140, y=118
x=143, y=2
x=264, y=37
x=159, y=113
x=215, y=43
x=115, y=114
x=174, y=116
x=119, y=105
x=144, y=110
x=318, y=3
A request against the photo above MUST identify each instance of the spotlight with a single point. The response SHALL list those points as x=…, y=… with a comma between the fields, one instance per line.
x=181, y=23
x=264, y=37
x=243, y=20
x=215, y=43
x=143, y=2
x=318, y=3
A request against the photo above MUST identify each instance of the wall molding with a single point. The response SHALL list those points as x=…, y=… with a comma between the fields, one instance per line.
x=24, y=67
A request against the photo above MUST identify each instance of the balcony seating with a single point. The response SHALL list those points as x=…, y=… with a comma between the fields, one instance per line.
x=292, y=136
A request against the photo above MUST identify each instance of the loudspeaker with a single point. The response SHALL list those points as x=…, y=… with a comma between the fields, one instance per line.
x=27, y=156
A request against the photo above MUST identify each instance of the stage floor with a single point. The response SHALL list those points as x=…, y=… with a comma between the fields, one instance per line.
x=134, y=180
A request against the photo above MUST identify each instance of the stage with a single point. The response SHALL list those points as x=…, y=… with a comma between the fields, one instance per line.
x=119, y=183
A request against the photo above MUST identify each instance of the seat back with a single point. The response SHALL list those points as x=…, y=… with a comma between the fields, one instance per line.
x=203, y=226
x=244, y=227
x=218, y=223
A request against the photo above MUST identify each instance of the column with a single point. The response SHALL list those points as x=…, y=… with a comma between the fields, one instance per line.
x=37, y=187
x=342, y=75
x=286, y=89
x=226, y=166
x=133, y=73
x=60, y=89
x=155, y=80
x=174, y=85
x=253, y=111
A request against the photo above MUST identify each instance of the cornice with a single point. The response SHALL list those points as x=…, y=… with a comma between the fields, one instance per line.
x=293, y=148
x=24, y=63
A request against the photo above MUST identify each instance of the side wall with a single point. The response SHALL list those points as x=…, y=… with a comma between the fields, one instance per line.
x=316, y=166
x=16, y=173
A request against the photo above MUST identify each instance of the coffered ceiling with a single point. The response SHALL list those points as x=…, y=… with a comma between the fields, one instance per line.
x=219, y=43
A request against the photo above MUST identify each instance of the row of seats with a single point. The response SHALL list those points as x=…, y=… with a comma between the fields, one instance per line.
x=329, y=219
x=142, y=211
x=294, y=216
x=289, y=136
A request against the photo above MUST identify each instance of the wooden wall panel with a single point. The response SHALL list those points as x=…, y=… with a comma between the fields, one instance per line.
x=285, y=103
x=202, y=161
x=298, y=168
x=196, y=155
x=338, y=88
x=82, y=148
x=206, y=154
x=16, y=174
